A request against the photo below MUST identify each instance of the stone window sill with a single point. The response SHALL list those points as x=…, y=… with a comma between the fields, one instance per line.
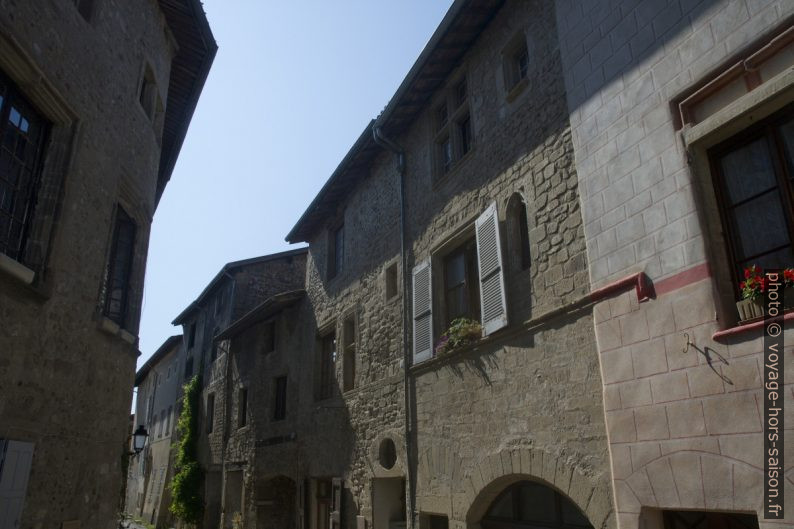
x=114, y=329
x=16, y=270
x=516, y=90
x=747, y=328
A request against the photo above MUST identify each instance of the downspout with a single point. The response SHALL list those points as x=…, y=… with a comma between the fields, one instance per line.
x=410, y=492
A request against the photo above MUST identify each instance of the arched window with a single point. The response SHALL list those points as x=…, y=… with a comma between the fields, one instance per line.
x=530, y=505
x=518, y=232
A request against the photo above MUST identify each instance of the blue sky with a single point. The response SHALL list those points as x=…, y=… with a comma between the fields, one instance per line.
x=293, y=85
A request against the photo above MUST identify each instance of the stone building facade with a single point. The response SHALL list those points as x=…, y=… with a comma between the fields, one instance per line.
x=159, y=383
x=564, y=173
x=236, y=290
x=95, y=99
x=679, y=111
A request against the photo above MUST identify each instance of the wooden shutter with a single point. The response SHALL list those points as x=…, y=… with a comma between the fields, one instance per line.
x=336, y=504
x=15, y=461
x=492, y=281
x=423, y=312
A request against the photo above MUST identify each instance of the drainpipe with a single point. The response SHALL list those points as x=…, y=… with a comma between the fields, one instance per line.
x=390, y=145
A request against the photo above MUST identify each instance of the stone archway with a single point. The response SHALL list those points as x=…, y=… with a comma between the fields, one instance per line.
x=484, y=481
x=690, y=480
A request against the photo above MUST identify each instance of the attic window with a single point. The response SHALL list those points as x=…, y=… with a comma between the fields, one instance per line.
x=454, y=135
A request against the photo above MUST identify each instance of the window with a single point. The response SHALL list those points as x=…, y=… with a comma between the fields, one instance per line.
x=210, y=412
x=336, y=251
x=518, y=233
x=326, y=364
x=453, y=136
x=161, y=425
x=280, y=399
x=754, y=174
x=708, y=520
x=23, y=134
x=191, y=335
x=269, y=339
x=530, y=504
x=242, y=407
x=461, y=289
x=119, y=269
x=168, y=420
x=469, y=283
x=349, y=353
x=516, y=62
x=390, y=279
x=189, y=368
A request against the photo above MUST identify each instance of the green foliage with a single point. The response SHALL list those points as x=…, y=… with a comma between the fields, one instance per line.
x=462, y=331
x=187, y=503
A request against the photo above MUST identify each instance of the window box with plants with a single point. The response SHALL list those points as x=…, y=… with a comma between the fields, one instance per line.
x=461, y=332
x=751, y=306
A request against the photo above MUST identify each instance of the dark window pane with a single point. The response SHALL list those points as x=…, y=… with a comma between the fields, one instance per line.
x=465, y=135
x=748, y=171
x=536, y=503
x=119, y=268
x=760, y=225
x=503, y=508
x=280, y=400
x=461, y=93
x=787, y=134
x=22, y=136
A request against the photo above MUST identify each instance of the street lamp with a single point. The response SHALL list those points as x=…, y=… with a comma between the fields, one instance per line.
x=139, y=439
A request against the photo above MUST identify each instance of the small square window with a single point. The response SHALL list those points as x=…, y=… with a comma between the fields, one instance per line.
x=85, y=8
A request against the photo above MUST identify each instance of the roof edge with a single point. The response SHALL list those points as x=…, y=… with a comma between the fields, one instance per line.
x=166, y=347
x=263, y=310
x=230, y=266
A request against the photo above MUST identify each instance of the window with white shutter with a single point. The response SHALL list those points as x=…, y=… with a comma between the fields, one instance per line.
x=423, y=312
x=492, y=283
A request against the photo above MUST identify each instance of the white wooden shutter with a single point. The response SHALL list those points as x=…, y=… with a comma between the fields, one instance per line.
x=336, y=504
x=423, y=312
x=492, y=280
x=15, y=461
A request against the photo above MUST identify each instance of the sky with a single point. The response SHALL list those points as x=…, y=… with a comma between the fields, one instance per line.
x=292, y=86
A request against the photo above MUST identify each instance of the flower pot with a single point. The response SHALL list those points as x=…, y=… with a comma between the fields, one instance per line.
x=749, y=309
x=788, y=298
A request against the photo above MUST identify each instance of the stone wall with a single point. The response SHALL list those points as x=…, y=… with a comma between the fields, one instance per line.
x=684, y=421
x=72, y=380
x=522, y=404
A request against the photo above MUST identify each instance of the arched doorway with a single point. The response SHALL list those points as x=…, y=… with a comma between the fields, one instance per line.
x=531, y=505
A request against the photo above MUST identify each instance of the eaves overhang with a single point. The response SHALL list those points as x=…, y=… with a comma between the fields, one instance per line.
x=461, y=26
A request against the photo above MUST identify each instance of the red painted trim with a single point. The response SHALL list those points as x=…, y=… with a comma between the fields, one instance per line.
x=682, y=279
x=749, y=327
x=639, y=281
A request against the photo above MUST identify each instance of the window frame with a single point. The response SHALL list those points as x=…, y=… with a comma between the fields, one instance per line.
x=242, y=407
x=210, y=426
x=279, y=398
x=10, y=96
x=121, y=218
x=468, y=249
x=765, y=129
x=453, y=127
x=349, y=351
x=326, y=370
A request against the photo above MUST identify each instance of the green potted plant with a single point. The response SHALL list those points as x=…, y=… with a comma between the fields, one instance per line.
x=461, y=332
